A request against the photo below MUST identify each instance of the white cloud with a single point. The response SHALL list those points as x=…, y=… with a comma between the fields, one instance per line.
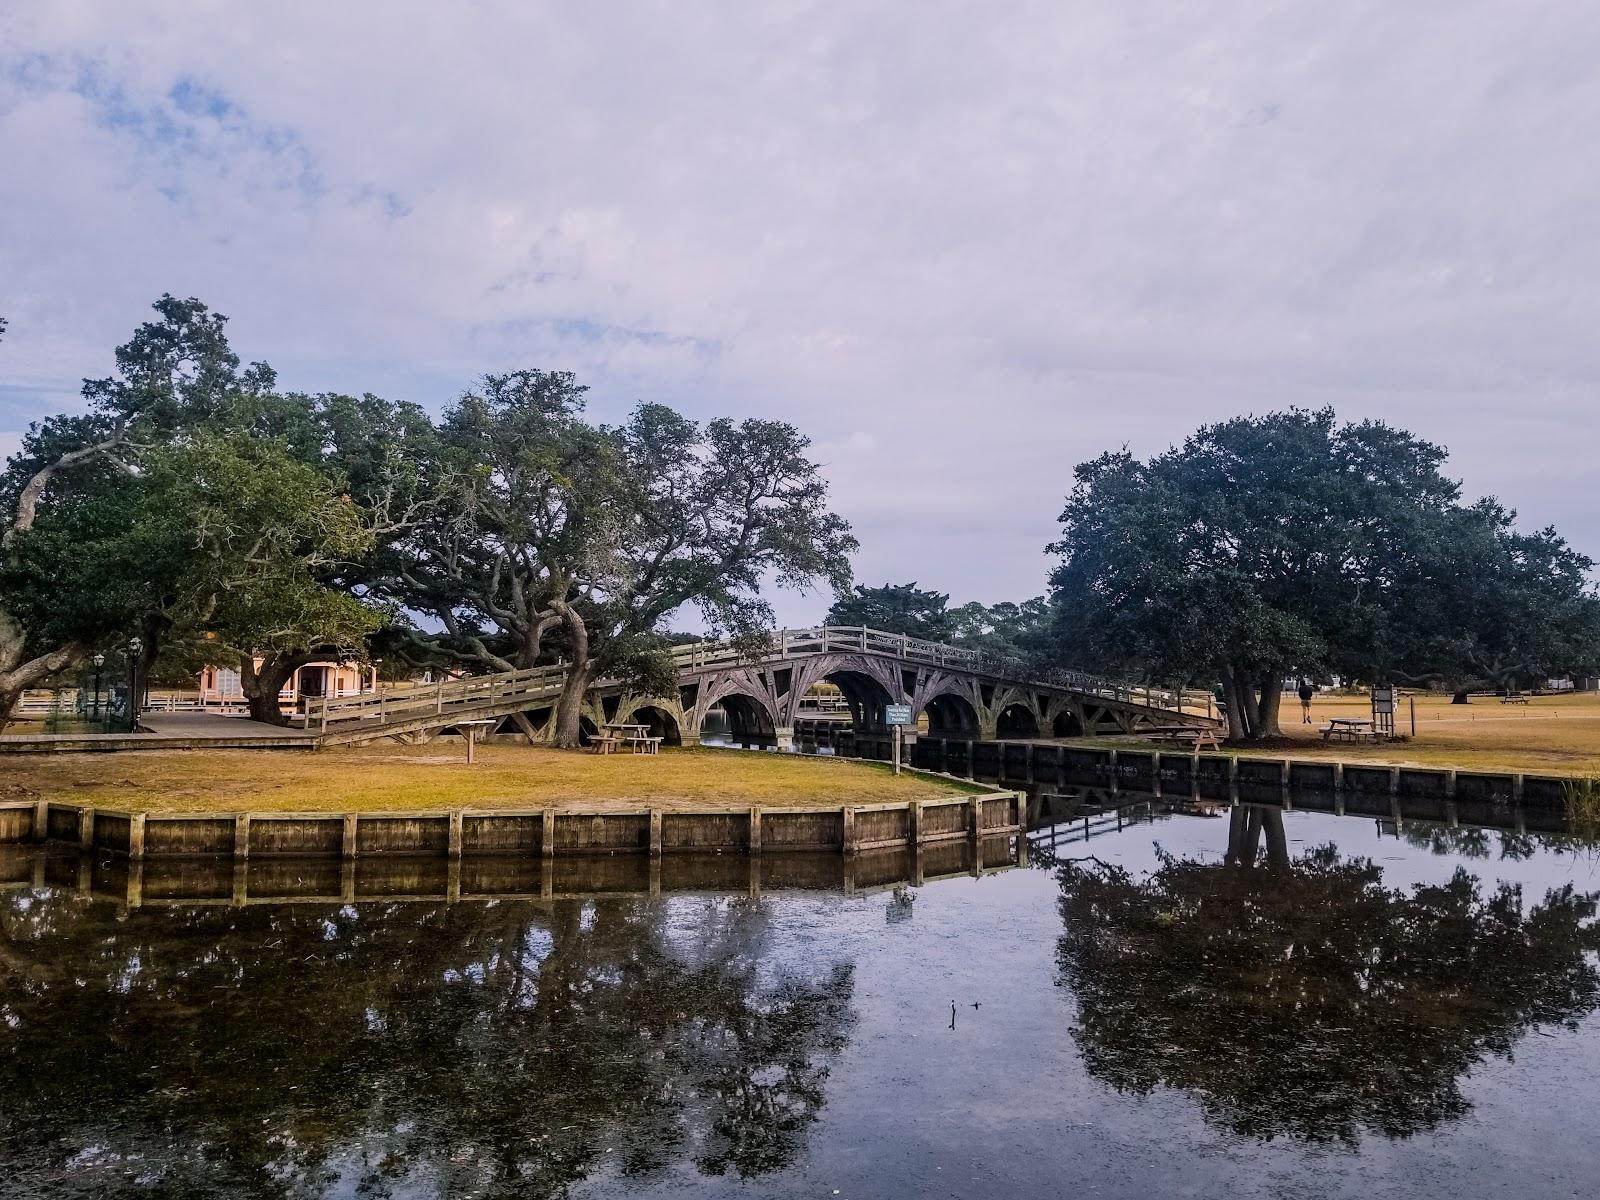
x=963, y=246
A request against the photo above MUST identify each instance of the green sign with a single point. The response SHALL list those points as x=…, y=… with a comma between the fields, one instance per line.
x=898, y=714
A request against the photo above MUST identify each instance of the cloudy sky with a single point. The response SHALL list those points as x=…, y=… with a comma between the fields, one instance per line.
x=964, y=246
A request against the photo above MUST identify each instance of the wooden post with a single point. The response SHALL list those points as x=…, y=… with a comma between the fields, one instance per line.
x=914, y=821
x=1516, y=789
x=755, y=831
x=349, y=842
x=849, y=830
x=41, y=820
x=453, y=839
x=136, y=837
x=655, y=833
x=547, y=834
x=241, y=837
x=976, y=817
x=86, y=829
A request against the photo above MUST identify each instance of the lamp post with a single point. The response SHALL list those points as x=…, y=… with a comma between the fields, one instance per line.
x=99, y=661
x=135, y=649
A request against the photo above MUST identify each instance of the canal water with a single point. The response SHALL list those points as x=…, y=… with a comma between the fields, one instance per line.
x=1164, y=1002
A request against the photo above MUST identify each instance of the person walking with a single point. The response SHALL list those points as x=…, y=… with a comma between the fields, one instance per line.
x=1306, y=692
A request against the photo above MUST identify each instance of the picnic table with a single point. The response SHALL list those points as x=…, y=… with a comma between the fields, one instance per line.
x=1513, y=698
x=617, y=735
x=1185, y=735
x=1349, y=729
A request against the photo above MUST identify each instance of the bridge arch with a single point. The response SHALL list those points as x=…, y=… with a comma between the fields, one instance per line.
x=952, y=715
x=1067, y=723
x=864, y=693
x=1017, y=720
x=749, y=717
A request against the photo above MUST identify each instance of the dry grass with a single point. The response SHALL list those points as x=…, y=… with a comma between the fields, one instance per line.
x=424, y=777
x=1555, y=735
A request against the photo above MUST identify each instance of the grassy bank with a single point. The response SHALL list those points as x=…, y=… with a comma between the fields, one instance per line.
x=1550, y=735
x=393, y=778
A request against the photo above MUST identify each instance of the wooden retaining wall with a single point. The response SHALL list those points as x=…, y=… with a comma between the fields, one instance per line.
x=540, y=833
x=187, y=882
x=1213, y=775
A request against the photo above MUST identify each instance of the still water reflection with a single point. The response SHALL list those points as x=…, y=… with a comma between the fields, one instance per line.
x=1201, y=1002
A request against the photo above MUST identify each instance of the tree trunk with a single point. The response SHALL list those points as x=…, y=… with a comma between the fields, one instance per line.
x=9, y=696
x=1230, y=698
x=17, y=673
x=1250, y=707
x=1238, y=824
x=1271, y=698
x=1460, y=697
x=1277, y=839
x=261, y=685
x=569, y=708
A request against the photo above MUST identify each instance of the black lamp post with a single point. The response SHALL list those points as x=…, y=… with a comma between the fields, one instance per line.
x=99, y=661
x=135, y=649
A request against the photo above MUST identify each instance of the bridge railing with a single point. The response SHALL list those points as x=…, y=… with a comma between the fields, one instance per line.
x=833, y=639
x=390, y=705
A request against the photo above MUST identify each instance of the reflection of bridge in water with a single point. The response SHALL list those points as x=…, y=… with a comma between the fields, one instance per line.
x=959, y=694
x=185, y=882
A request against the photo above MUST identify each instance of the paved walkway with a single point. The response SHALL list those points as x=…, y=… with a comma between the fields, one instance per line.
x=167, y=731
x=213, y=725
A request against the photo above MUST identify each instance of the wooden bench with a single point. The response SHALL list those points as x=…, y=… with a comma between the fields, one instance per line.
x=1513, y=698
x=604, y=744
x=645, y=745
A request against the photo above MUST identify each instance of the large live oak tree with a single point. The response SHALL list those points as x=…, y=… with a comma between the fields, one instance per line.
x=555, y=537
x=1287, y=544
x=710, y=513
x=193, y=498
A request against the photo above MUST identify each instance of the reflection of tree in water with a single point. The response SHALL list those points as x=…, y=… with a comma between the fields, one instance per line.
x=491, y=1050
x=1302, y=997
x=1466, y=841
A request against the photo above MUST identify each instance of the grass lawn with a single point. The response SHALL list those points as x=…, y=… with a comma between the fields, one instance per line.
x=1550, y=735
x=392, y=777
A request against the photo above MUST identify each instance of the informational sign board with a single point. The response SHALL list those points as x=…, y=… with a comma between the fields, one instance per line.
x=897, y=714
x=1383, y=700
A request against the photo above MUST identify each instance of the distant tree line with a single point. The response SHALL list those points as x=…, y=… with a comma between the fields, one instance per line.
x=198, y=506
x=999, y=631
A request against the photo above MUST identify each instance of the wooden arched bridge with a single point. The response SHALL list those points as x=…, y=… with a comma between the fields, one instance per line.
x=961, y=693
